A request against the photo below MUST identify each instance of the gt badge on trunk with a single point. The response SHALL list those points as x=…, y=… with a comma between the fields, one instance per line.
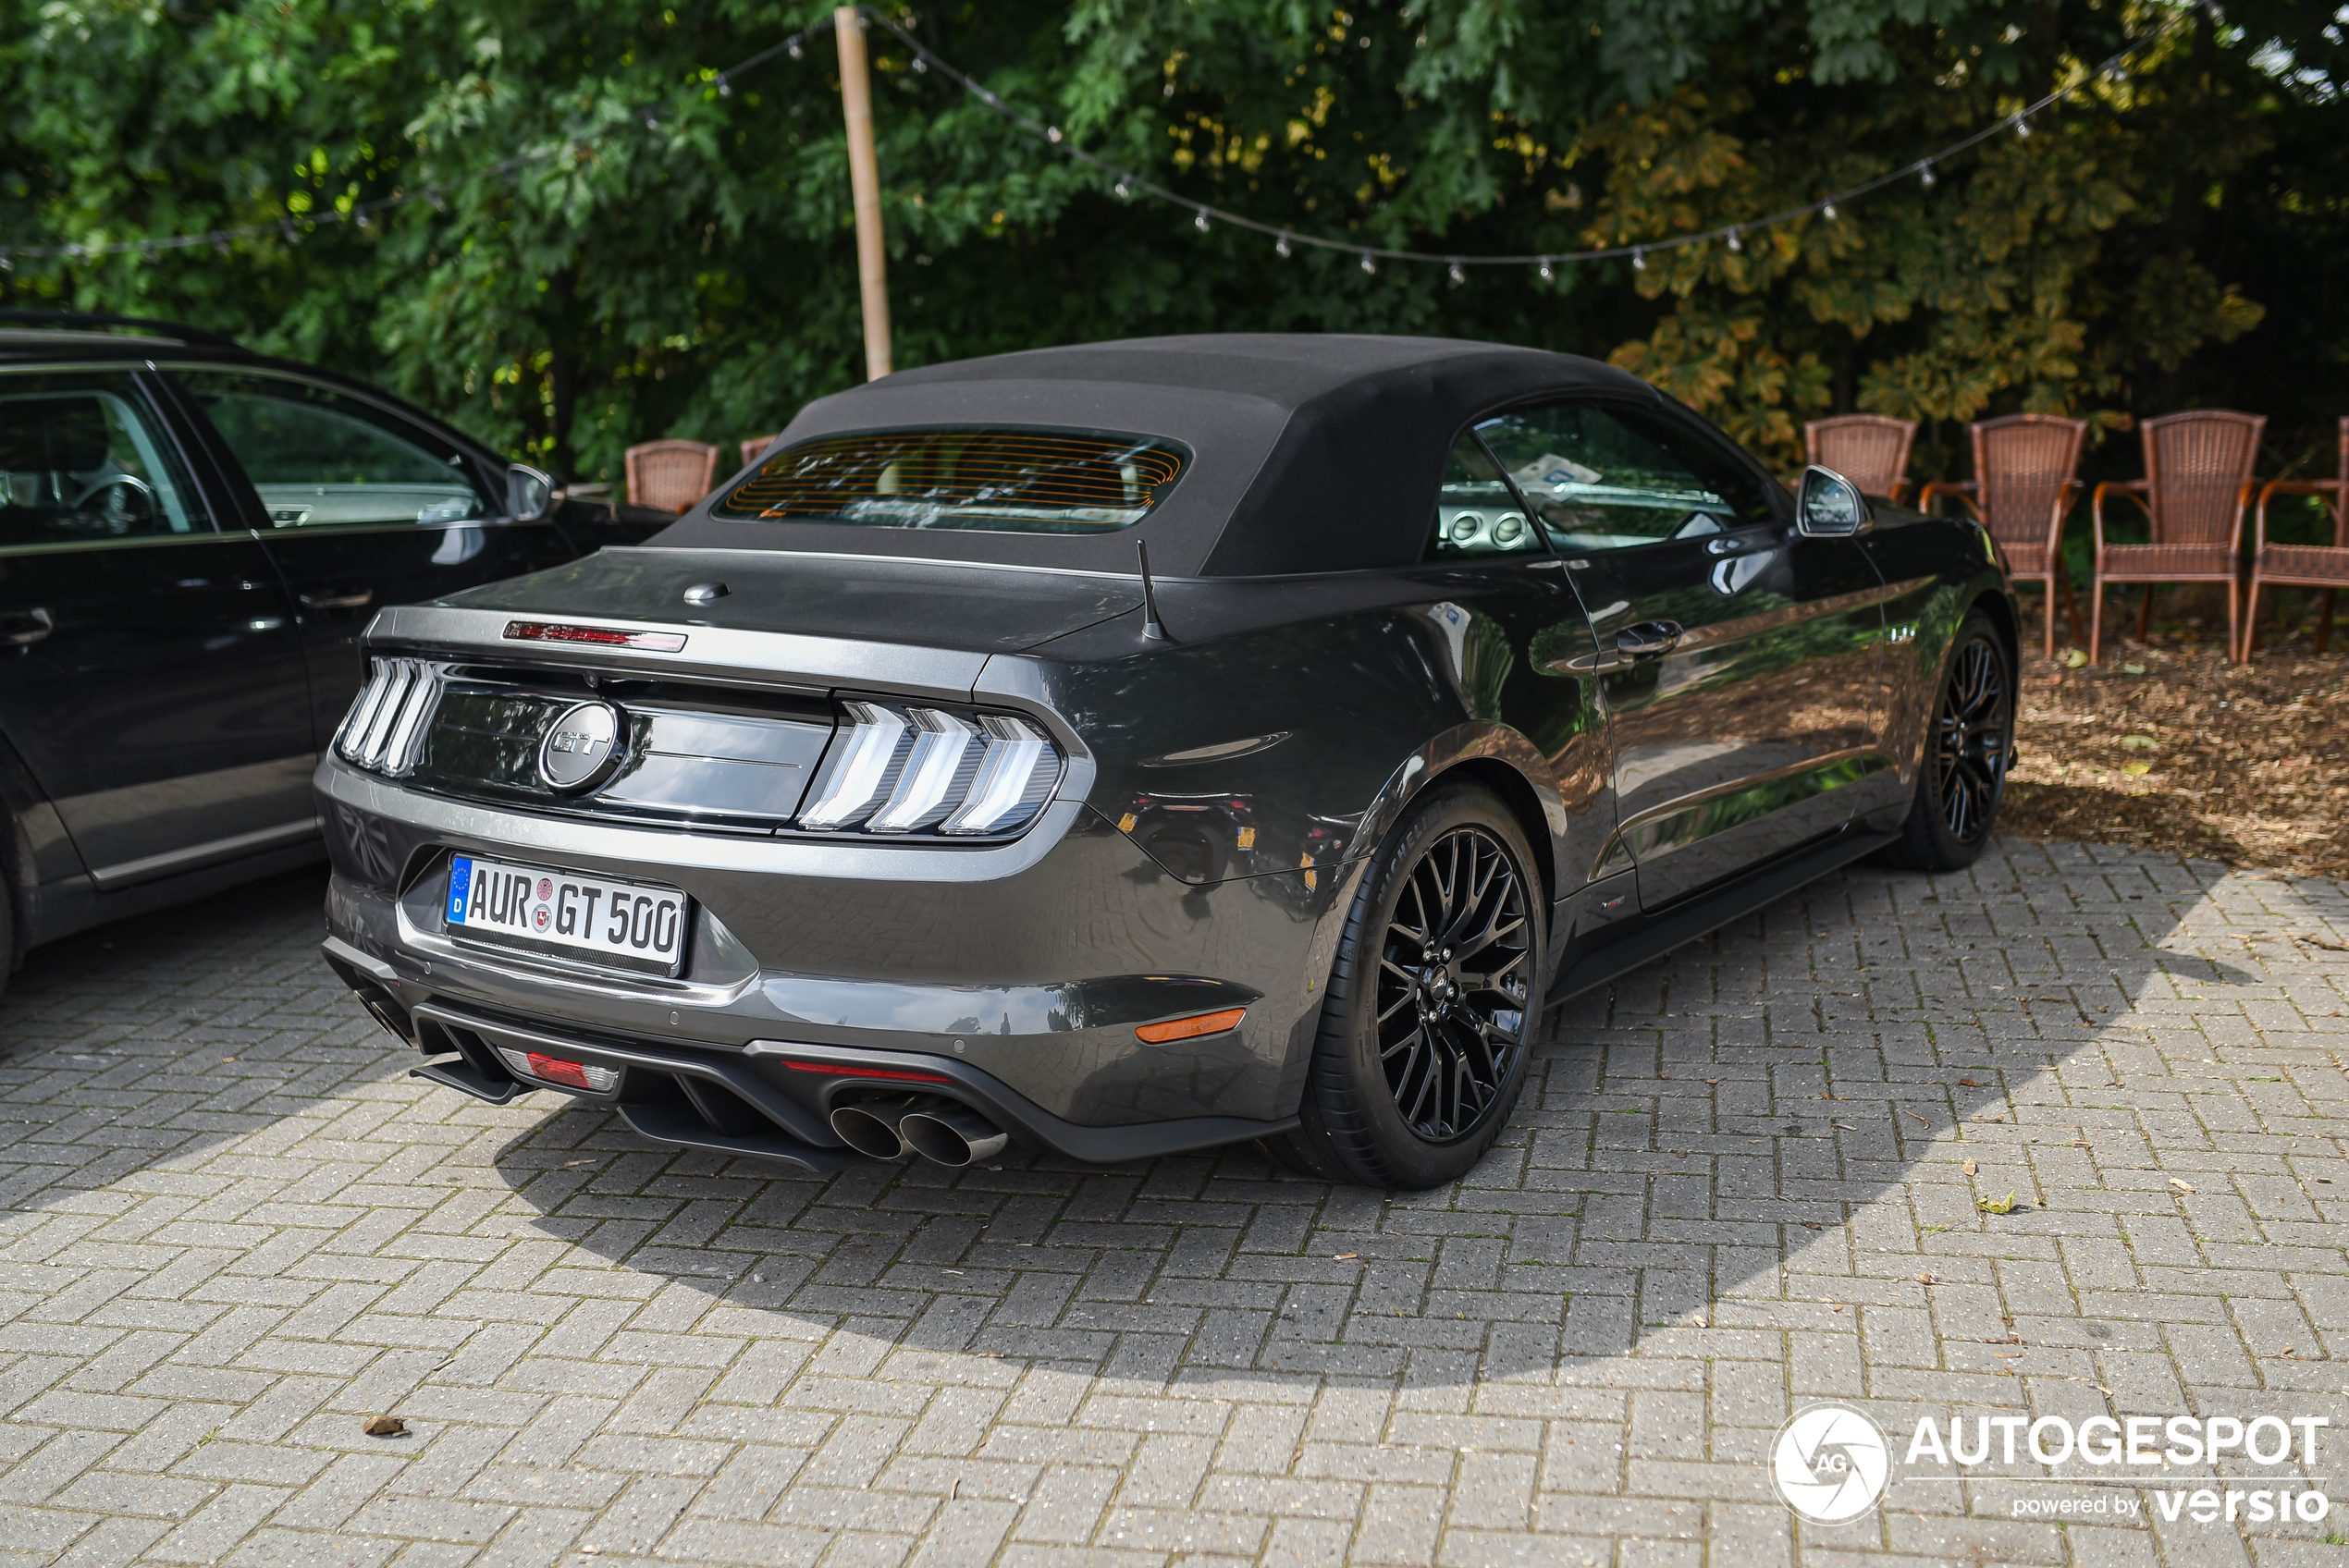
x=581, y=746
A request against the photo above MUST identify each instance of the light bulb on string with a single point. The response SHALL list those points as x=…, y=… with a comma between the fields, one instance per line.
x=1370, y=262
x=1051, y=133
x=1124, y=192
x=794, y=46
x=1549, y=273
x=1201, y=222
x=920, y=64
x=725, y=88
x=2022, y=125
x=1736, y=242
x=1639, y=261
x=1924, y=173
x=1457, y=275
x=1280, y=246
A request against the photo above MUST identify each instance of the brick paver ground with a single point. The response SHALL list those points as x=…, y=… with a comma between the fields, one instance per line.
x=233, y=1228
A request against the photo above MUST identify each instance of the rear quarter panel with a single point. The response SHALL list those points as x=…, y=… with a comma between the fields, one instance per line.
x=1936, y=570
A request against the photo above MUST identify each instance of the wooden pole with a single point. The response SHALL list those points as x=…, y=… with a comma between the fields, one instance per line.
x=863, y=179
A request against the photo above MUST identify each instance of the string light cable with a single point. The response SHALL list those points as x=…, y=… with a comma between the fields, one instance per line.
x=1128, y=184
x=1124, y=182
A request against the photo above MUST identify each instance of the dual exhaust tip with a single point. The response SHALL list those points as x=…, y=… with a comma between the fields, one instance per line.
x=935, y=1129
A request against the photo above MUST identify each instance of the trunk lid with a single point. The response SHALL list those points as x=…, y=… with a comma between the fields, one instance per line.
x=951, y=606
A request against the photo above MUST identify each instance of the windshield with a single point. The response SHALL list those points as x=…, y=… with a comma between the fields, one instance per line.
x=1000, y=481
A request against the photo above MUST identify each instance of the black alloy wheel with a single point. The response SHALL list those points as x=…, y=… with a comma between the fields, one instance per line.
x=1970, y=737
x=1963, y=776
x=1453, y=982
x=1426, y=1023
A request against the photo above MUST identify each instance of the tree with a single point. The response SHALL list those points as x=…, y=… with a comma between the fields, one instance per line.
x=671, y=258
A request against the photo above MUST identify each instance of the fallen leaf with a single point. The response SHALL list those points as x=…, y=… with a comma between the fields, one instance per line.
x=2132, y=670
x=2138, y=743
x=1968, y=1084
x=2136, y=769
x=2182, y=1186
x=384, y=1426
x=2073, y=658
x=1997, y=1206
x=1969, y=1168
x=1713, y=1080
x=1925, y=1278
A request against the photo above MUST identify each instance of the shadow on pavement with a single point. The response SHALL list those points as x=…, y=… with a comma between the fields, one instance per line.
x=1766, y=1130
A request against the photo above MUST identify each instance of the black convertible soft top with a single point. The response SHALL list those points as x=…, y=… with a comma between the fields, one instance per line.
x=1310, y=453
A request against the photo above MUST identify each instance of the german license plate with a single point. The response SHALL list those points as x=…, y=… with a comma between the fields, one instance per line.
x=560, y=911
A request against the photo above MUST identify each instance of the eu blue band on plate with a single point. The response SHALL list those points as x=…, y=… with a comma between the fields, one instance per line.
x=460, y=876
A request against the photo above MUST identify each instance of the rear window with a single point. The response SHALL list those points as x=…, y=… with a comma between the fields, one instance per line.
x=988, y=480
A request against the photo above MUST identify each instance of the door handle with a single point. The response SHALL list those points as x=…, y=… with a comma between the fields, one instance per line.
x=1649, y=639
x=24, y=627
x=359, y=600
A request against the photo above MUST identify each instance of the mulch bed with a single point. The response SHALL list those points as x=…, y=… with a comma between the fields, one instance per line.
x=2169, y=745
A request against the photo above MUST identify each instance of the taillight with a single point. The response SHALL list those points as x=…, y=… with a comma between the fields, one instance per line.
x=386, y=724
x=554, y=1069
x=922, y=769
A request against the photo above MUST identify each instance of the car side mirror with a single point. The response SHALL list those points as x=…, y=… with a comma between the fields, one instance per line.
x=1829, y=505
x=530, y=493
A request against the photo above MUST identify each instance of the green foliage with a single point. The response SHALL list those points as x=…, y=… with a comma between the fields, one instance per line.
x=696, y=277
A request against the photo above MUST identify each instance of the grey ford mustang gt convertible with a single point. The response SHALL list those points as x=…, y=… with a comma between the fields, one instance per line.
x=1141, y=747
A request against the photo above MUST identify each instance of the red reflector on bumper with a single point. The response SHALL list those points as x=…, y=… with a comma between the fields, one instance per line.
x=554, y=1069
x=1188, y=1028
x=894, y=1075
x=602, y=636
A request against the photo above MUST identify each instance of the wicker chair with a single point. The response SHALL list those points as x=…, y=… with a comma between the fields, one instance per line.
x=2025, y=481
x=753, y=446
x=1870, y=450
x=2198, y=485
x=2302, y=566
x=670, y=475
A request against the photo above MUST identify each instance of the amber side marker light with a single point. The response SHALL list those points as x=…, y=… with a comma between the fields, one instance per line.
x=1188, y=1028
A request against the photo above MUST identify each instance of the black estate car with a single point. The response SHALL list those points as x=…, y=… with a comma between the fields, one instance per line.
x=191, y=538
x=1138, y=747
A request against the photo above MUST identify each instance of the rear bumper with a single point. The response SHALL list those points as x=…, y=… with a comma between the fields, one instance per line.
x=772, y=1100
x=1018, y=981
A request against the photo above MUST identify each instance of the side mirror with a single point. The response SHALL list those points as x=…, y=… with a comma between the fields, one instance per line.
x=530, y=493
x=1829, y=506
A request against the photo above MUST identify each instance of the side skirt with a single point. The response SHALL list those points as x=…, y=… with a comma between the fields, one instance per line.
x=1709, y=912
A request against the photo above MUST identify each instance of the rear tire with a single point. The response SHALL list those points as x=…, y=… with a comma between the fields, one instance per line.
x=1427, y=1025
x=1963, y=775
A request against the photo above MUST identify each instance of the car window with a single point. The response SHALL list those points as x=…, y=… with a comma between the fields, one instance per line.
x=1002, y=481
x=1609, y=476
x=82, y=460
x=1476, y=512
x=320, y=456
